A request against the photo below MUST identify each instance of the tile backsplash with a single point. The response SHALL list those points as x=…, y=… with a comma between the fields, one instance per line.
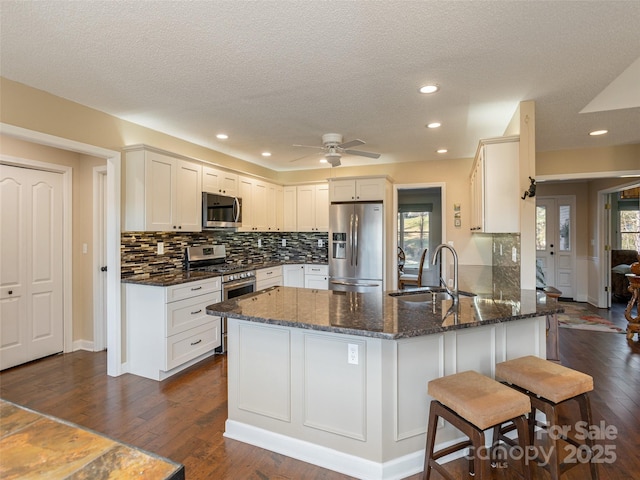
x=138, y=250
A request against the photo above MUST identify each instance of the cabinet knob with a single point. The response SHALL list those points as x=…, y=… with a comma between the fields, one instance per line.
x=10, y=292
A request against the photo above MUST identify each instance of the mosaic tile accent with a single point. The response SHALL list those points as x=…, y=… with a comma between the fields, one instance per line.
x=138, y=249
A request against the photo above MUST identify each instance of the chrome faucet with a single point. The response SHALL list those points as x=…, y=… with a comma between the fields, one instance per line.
x=453, y=293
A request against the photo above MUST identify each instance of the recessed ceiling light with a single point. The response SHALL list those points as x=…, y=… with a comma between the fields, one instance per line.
x=434, y=125
x=442, y=150
x=266, y=154
x=222, y=136
x=429, y=89
x=598, y=132
x=323, y=160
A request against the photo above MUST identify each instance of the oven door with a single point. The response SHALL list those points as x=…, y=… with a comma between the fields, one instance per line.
x=237, y=288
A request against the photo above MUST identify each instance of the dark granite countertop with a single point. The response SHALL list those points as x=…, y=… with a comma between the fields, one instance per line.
x=169, y=278
x=177, y=276
x=379, y=314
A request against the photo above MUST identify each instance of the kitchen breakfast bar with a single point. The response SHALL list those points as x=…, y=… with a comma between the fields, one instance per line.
x=339, y=379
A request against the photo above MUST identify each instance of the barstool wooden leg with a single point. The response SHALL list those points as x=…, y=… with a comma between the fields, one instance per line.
x=585, y=414
x=431, y=439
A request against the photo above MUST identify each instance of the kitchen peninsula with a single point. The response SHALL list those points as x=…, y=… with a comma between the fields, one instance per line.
x=339, y=379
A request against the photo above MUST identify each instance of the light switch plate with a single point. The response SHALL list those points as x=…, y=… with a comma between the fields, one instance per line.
x=352, y=355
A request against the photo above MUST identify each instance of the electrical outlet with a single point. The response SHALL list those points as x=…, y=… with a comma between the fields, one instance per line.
x=85, y=248
x=450, y=282
x=320, y=243
x=160, y=248
x=284, y=242
x=352, y=354
x=514, y=254
x=259, y=243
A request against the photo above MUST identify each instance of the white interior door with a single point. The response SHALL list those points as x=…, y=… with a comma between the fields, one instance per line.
x=31, y=275
x=555, y=244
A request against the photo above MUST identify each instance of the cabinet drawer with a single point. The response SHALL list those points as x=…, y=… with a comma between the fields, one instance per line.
x=269, y=282
x=310, y=269
x=185, y=314
x=191, y=289
x=268, y=273
x=188, y=345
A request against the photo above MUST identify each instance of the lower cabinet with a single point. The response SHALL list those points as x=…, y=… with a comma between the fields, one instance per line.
x=168, y=328
x=306, y=276
x=268, y=277
x=316, y=276
x=293, y=275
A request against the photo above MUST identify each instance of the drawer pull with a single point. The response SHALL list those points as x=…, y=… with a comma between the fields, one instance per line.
x=196, y=312
x=197, y=342
x=197, y=288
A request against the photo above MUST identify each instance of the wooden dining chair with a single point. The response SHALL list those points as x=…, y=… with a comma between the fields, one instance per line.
x=406, y=279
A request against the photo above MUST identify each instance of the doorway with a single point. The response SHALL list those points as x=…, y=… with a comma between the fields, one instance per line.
x=419, y=225
x=556, y=244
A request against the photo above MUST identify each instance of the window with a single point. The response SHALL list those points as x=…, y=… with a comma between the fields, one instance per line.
x=630, y=229
x=413, y=232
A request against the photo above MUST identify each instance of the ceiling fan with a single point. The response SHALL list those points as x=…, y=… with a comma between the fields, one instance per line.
x=333, y=149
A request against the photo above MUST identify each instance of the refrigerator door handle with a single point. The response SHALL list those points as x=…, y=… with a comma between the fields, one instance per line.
x=351, y=238
x=356, y=239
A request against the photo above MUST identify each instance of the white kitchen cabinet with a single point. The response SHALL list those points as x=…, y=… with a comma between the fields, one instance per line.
x=162, y=192
x=269, y=277
x=274, y=208
x=293, y=275
x=494, y=185
x=289, y=210
x=219, y=181
x=359, y=189
x=253, y=193
x=312, y=208
x=316, y=276
x=168, y=328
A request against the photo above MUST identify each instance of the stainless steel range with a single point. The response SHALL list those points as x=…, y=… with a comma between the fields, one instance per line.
x=237, y=279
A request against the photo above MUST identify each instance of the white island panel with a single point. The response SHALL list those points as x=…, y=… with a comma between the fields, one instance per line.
x=335, y=390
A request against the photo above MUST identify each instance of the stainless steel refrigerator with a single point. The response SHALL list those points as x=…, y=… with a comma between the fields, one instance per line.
x=356, y=235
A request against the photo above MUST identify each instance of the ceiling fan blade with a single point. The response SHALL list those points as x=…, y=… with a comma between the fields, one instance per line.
x=308, y=146
x=362, y=154
x=352, y=143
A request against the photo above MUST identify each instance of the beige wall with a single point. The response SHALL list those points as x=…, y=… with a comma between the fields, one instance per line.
x=620, y=158
x=82, y=211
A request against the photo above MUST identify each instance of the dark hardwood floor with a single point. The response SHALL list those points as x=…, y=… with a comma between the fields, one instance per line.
x=183, y=417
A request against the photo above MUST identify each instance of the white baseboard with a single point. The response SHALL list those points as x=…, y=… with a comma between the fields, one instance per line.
x=83, y=345
x=324, y=457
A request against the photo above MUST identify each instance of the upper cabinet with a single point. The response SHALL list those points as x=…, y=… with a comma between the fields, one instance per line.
x=289, y=210
x=262, y=205
x=358, y=190
x=312, y=207
x=163, y=192
x=219, y=181
x=495, y=191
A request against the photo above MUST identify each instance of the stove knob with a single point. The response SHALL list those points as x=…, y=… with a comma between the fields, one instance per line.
x=242, y=275
x=232, y=277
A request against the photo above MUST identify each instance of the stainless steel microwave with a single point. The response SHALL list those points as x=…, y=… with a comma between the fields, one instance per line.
x=221, y=211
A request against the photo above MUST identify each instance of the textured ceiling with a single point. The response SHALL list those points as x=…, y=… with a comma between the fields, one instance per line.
x=271, y=74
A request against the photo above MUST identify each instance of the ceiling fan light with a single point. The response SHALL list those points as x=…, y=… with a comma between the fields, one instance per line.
x=429, y=88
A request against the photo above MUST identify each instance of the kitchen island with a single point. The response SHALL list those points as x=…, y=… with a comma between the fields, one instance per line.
x=339, y=379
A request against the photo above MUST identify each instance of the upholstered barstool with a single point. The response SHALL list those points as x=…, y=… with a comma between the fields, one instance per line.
x=550, y=386
x=472, y=403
